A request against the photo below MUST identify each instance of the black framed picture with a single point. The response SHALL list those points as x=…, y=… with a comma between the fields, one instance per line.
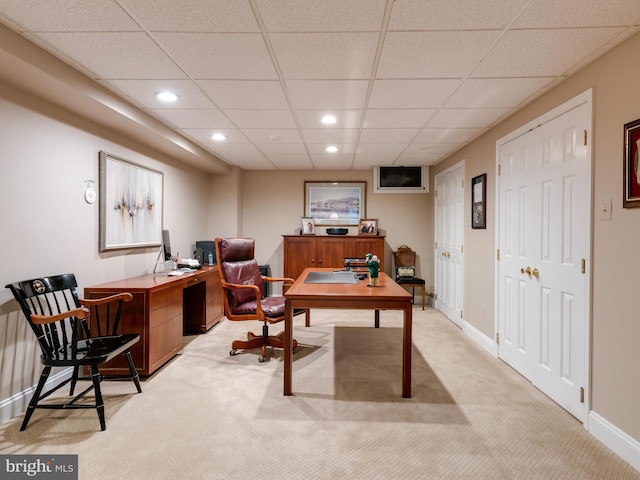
x=478, y=201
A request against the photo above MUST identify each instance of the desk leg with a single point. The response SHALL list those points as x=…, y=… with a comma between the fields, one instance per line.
x=376, y=321
x=406, y=351
x=288, y=347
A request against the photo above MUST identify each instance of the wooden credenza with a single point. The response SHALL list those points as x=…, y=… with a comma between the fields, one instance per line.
x=302, y=251
x=162, y=310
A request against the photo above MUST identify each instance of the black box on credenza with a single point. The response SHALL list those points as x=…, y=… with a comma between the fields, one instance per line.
x=204, y=248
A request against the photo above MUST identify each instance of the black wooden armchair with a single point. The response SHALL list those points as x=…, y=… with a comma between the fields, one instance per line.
x=243, y=294
x=73, y=332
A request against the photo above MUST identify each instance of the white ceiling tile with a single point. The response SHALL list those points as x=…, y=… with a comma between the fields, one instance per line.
x=411, y=93
x=62, y=16
x=429, y=54
x=397, y=118
x=193, y=16
x=195, y=118
x=203, y=136
x=325, y=55
x=578, y=13
x=279, y=119
x=327, y=94
x=273, y=135
x=466, y=117
x=453, y=14
x=289, y=162
x=334, y=161
x=324, y=16
x=345, y=118
x=442, y=148
x=392, y=135
x=220, y=55
x=385, y=149
x=366, y=162
x=447, y=135
x=368, y=155
x=239, y=152
x=320, y=149
x=408, y=160
x=496, y=92
x=251, y=94
x=143, y=92
x=95, y=52
x=330, y=135
x=264, y=71
x=282, y=148
x=540, y=53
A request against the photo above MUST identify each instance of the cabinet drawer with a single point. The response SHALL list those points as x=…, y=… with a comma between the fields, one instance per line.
x=164, y=341
x=162, y=315
x=165, y=297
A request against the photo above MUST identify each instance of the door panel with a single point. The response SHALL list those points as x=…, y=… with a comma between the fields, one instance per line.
x=449, y=243
x=543, y=208
x=331, y=252
x=300, y=253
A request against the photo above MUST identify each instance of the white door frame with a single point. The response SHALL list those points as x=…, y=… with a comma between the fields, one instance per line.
x=585, y=97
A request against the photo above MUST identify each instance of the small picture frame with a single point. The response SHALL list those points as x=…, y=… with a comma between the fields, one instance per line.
x=308, y=226
x=631, y=197
x=478, y=201
x=368, y=226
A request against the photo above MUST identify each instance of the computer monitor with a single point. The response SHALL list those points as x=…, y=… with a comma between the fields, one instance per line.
x=166, y=245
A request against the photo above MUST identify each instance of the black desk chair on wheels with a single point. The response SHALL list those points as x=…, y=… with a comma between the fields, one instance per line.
x=405, y=263
x=73, y=332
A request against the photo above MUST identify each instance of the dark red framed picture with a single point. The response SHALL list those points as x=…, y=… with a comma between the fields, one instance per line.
x=631, y=198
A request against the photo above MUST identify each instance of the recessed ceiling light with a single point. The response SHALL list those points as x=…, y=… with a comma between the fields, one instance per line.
x=331, y=149
x=219, y=137
x=167, y=96
x=329, y=119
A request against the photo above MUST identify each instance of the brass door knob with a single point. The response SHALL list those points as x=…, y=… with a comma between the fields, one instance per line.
x=535, y=273
x=526, y=270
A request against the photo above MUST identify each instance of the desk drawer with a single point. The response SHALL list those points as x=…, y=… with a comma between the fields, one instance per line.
x=165, y=342
x=164, y=297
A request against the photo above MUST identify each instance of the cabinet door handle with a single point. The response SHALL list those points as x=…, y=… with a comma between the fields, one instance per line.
x=319, y=260
x=313, y=260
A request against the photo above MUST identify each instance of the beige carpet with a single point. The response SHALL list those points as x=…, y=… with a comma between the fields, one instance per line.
x=207, y=415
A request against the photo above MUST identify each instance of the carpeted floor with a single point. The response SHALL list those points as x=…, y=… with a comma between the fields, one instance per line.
x=207, y=415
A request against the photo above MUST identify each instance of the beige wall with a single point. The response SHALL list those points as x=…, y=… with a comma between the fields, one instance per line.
x=615, y=327
x=273, y=202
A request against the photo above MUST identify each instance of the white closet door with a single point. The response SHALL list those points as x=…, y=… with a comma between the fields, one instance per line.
x=449, y=242
x=544, y=204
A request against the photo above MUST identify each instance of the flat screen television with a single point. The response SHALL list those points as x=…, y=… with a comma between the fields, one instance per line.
x=401, y=179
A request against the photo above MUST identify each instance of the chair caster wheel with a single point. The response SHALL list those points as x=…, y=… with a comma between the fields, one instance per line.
x=262, y=359
x=232, y=353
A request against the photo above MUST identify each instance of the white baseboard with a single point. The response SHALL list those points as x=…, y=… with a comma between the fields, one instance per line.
x=619, y=442
x=480, y=338
x=17, y=404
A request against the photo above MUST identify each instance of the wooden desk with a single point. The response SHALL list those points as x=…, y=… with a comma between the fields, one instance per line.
x=163, y=308
x=388, y=295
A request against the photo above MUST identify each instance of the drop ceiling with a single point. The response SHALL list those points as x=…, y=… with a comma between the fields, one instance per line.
x=409, y=81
